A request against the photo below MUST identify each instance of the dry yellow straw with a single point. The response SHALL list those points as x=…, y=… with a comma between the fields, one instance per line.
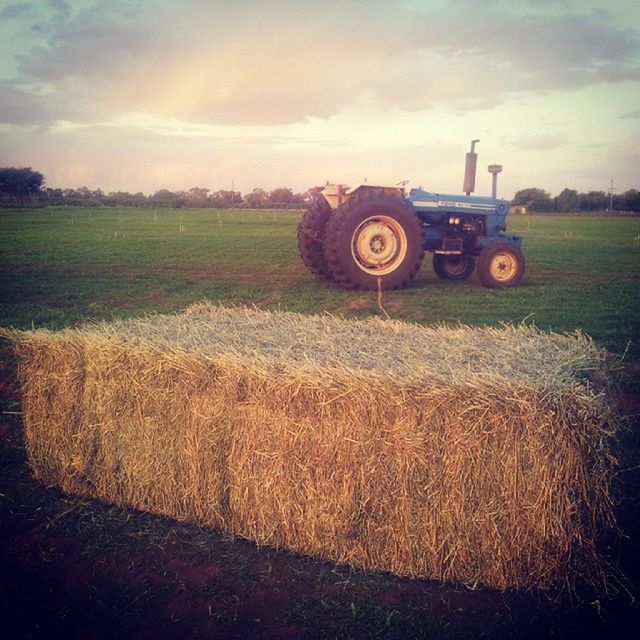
x=475, y=455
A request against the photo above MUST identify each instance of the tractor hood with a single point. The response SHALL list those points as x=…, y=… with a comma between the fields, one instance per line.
x=444, y=202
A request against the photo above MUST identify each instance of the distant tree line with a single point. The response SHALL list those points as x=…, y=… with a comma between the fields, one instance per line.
x=25, y=187
x=569, y=200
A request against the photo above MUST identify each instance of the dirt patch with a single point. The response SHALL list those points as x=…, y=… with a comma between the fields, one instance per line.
x=629, y=391
x=360, y=302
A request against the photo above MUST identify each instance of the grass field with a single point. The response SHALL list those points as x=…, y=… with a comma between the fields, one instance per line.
x=74, y=568
x=62, y=266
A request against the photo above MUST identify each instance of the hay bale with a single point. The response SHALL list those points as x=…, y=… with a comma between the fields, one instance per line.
x=475, y=455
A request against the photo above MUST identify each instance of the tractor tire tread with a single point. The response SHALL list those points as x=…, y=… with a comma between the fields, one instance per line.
x=484, y=260
x=441, y=270
x=338, y=227
x=311, y=239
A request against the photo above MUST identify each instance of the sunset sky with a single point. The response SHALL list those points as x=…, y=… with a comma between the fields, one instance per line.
x=138, y=96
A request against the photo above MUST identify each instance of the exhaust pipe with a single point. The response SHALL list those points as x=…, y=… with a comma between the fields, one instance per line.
x=470, y=164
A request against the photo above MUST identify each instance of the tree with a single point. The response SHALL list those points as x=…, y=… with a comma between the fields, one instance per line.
x=311, y=194
x=163, y=197
x=567, y=200
x=280, y=197
x=594, y=201
x=284, y=197
x=197, y=196
x=257, y=199
x=52, y=196
x=124, y=198
x=223, y=199
x=534, y=199
x=18, y=186
x=628, y=201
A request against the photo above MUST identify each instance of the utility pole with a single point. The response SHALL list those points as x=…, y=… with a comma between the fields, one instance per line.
x=611, y=198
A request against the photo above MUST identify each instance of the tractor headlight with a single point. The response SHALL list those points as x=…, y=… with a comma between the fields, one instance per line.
x=454, y=220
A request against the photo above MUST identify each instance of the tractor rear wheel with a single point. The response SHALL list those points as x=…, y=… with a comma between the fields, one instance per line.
x=373, y=236
x=311, y=238
x=456, y=267
x=500, y=265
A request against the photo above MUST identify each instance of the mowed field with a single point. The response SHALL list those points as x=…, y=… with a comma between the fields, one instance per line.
x=75, y=568
x=62, y=266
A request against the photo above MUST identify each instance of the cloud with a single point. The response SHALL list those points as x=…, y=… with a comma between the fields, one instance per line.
x=283, y=62
x=28, y=106
x=630, y=114
x=541, y=142
x=611, y=73
x=15, y=10
x=625, y=154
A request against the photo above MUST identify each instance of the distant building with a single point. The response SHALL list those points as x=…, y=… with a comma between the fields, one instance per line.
x=518, y=208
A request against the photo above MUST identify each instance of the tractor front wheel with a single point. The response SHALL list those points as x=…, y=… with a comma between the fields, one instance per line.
x=371, y=237
x=500, y=265
x=456, y=267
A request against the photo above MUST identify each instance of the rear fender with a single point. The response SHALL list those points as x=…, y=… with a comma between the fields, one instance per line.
x=337, y=194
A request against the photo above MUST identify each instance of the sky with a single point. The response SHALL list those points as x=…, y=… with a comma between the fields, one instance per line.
x=142, y=95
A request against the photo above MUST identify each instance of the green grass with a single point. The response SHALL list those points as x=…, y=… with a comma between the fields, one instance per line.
x=128, y=569
x=60, y=266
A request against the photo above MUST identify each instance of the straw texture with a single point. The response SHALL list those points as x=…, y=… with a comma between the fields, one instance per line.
x=475, y=455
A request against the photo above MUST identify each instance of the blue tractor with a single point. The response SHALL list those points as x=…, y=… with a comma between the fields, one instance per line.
x=372, y=236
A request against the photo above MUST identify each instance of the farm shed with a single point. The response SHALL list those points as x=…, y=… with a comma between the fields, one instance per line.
x=462, y=454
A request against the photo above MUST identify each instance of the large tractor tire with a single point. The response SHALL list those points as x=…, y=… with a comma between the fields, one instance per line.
x=453, y=267
x=373, y=236
x=500, y=265
x=311, y=238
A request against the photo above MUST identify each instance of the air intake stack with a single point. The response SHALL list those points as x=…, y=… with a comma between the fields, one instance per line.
x=494, y=170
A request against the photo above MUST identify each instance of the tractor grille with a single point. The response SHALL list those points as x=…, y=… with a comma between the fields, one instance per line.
x=451, y=245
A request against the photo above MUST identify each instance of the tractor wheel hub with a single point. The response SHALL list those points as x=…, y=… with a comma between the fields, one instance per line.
x=379, y=244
